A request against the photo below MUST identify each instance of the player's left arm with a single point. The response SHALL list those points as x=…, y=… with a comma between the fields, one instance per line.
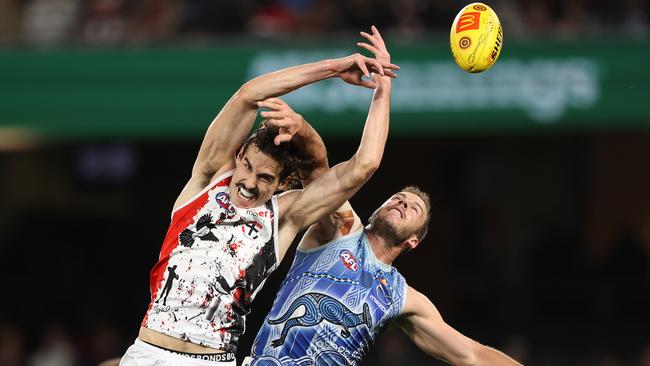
x=422, y=322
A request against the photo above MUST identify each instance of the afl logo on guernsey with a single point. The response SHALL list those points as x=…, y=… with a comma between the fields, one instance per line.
x=349, y=261
x=223, y=199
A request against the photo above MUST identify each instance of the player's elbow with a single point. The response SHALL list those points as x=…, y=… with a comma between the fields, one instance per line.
x=364, y=168
x=466, y=361
x=247, y=94
x=469, y=357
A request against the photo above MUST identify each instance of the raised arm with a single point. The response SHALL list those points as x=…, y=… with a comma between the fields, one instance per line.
x=422, y=322
x=300, y=209
x=344, y=220
x=229, y=129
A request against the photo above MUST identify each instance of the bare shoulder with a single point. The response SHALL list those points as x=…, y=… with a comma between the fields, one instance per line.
x=198, y=182
x=286, y=201
x=417, y=304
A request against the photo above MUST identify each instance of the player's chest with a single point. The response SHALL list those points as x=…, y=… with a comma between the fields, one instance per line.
x=216, y=231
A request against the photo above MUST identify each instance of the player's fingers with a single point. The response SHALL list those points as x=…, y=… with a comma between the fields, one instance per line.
x=277, y=101
x=390, y=73
x=281, y=122
x=268, y=105
x=361, y=63
x=375, y=38
x=376, y=65
x=284, y=137
x=370, y=48
x=376, y=33
x=368, y=84
x=367, y=36
x=388, y=65
x=274, y=114
x=275, y=104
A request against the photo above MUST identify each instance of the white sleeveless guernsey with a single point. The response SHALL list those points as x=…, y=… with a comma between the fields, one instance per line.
x=214, y=259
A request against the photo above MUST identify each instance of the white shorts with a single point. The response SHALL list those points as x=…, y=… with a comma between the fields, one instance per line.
x=144, y=354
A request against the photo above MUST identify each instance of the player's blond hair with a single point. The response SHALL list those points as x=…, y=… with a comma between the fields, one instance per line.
x=421, y=232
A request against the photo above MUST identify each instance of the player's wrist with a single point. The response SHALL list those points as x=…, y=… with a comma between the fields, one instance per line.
x=384, y=82
x=330, y=68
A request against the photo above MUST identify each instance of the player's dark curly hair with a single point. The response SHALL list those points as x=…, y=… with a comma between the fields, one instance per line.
x=293, y=161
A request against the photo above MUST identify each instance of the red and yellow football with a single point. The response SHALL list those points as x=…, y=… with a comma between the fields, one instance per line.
x=476, y=38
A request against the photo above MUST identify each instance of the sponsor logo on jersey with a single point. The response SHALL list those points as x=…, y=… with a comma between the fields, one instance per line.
x=349, y=261
x=468, y=21
x=259, y=215
x=252, y=229
x=223, y=199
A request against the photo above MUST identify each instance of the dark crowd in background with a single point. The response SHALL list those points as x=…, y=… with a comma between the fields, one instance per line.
x=538, y=245
x=106, y=22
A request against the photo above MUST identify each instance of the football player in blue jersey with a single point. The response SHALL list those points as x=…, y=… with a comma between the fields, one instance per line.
x=341, y=290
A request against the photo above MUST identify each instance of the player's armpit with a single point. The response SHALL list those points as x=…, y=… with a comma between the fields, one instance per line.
x=286, y=230
x=346, y=220
x=339, y=223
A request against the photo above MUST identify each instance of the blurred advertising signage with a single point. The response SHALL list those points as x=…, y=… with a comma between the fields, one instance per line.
x=176, y=91
x=544, y=89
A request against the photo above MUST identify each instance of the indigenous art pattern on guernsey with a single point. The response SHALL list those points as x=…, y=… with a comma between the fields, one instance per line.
x=329, y=309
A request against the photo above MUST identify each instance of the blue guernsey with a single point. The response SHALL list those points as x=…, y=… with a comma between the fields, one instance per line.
x=329, y=309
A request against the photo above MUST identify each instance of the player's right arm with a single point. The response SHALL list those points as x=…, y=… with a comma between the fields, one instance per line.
x=344, y=220
x=422, y=322
x=230, y=127
x=299, y=209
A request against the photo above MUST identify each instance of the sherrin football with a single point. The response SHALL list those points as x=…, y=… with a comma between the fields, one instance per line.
x=476, y=38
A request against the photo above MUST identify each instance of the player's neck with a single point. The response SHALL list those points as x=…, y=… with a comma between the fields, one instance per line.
x=382, y=249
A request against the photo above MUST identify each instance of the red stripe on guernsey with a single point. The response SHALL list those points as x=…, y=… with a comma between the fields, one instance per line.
x=181, y=219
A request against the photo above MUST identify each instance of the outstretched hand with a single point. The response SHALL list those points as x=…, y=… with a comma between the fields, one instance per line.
x=378, y=47
x=282, y=116
x=353, y=68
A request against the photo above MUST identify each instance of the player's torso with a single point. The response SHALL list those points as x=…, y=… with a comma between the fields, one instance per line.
x=214, y=258
x=331, y=306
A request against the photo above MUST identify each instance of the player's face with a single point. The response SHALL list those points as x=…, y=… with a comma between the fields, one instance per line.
x=255, y=179
x=400, y=216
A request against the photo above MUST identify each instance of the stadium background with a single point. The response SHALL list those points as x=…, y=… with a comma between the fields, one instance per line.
x=539, y=169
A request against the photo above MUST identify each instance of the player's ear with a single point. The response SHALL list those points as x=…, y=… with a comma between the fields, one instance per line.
x=412, y=242
x=284, y=185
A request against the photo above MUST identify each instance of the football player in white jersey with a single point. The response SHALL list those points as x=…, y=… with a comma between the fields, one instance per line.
x=229, y=231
